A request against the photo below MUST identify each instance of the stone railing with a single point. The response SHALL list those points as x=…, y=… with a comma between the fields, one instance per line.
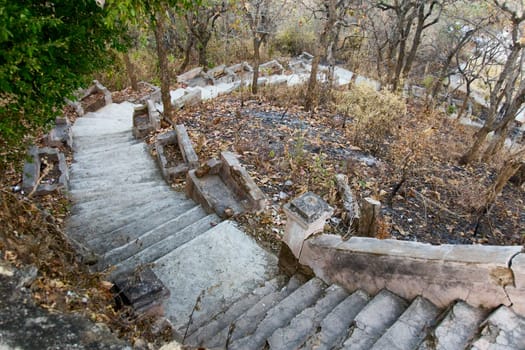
x=486, y=276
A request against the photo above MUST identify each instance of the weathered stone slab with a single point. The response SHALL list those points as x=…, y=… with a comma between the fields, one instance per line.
x=503, y=329
x=142, y=290
x=442, y=274
x=155, y=95
x=516, y=292
x=141, y=124
x=180, y=142
x=190, y=98
x=456, y=330
x=153, y=114
x=271, y=68
x=32, y=172
x=190, y=75
x=224, y=187
x=104, y=100
x=221, y=75
x=61, y=134
x=306, y=215
x=186, y=148
x=242, y=71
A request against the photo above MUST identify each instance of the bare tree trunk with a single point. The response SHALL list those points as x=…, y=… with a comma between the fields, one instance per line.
x=465, y=101
x=130, y=68
x=312, y=84
x=203, y=60
x=256, y=63
x=163, y=66
x=473, y=152
x=496, y=144
x=187, y=53
x=510, y=167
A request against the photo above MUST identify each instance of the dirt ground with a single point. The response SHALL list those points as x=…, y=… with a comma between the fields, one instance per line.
x=426, y=196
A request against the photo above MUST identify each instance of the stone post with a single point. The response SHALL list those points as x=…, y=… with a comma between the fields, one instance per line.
x=306, y=215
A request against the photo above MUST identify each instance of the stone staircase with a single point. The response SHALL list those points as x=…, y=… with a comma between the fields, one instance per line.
x=226, y=291
x=127, y=218
x=313, y=315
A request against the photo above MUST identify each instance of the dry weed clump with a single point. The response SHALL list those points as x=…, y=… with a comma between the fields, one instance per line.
x=375, y=116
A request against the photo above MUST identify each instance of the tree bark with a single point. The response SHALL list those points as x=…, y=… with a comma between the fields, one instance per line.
x=130, y=68
x=510, y=167
x=474, y=151
x=256, y=62
x=312, y=84
x=163, y=66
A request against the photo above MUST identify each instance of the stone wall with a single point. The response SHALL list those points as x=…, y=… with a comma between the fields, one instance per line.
x=486, y=276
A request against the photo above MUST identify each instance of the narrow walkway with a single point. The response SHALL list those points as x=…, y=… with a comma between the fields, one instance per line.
x=126, y=214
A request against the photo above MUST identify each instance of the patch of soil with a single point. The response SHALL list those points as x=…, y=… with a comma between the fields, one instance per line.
x=128, y=94
x=49, y=170
x=173, y=155
x=93, y=102
x=141, y=120
x=289, y=151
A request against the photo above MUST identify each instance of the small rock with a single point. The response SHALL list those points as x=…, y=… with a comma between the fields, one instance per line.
x=17, y=188
x=228, y=212
x=335, y=221
x=288, y=183
x=27, y=276
x=283, y=195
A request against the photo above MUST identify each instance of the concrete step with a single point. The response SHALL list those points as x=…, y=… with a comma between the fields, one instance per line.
x=333, y=330
x=87, y=230
x=115, y=199
x=281, y=314
x=216, y=268
x=89, y=213
x=97, y=208
x=247, y=322
x=78, y=172
x=159, y=241
x=303, y=325
x=105, y=242
x=123, y=156
x=410, y=329
x=86, y=195
x=503, y=329
x=199, y=334
x=456, y=330
x=126, y=179
x=152, y=178
x=94, y=141
x=93, y=144
x=377, y=316
x=120, y=111
x=97, y=126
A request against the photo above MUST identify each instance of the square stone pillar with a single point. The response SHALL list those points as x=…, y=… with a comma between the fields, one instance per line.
x=306, y=215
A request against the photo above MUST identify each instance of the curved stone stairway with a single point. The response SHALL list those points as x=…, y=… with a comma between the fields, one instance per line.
x=225, y=291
